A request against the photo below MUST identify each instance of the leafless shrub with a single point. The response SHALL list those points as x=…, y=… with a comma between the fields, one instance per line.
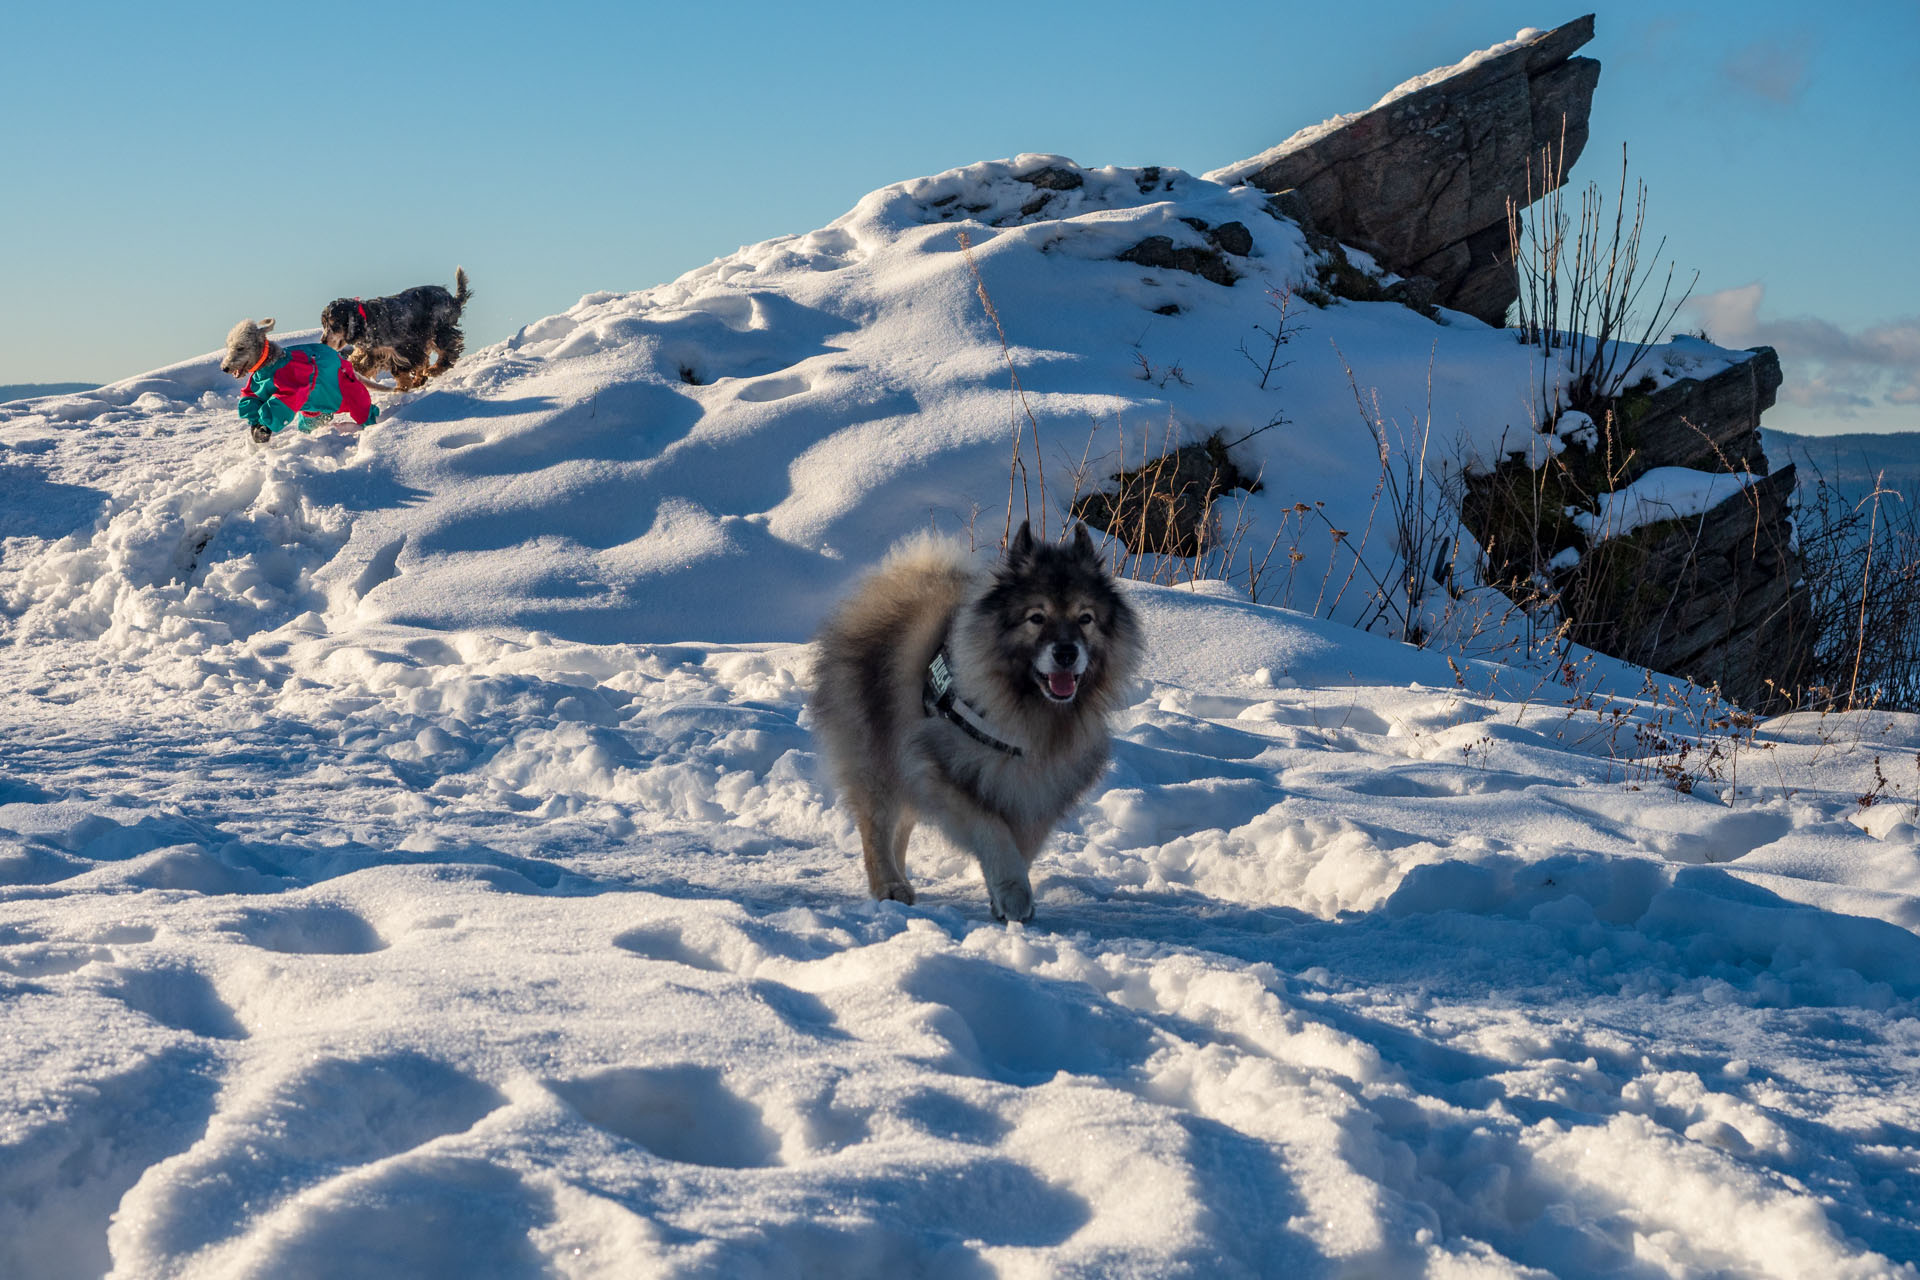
x=1863, y=572
x=1266, y=359
x=1581, y=288
x=1424, y=512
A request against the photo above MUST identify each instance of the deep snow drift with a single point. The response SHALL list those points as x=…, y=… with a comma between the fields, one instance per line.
x=413, y=858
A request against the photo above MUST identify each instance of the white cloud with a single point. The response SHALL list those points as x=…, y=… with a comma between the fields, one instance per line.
x=1827, y=367
x=1731, y=315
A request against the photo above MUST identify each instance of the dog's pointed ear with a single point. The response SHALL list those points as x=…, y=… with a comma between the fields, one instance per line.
x=1021, y=548
x=1083, y=545
x=266, y=324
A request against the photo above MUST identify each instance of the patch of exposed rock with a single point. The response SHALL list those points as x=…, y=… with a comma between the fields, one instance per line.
x=1712, y=597
x=1167, y=506
x=1207, y=260
x=1710, y=424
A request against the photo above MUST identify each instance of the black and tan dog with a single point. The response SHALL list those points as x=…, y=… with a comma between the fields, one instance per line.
x=401, y=334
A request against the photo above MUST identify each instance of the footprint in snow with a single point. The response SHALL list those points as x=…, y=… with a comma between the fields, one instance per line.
x=685, y=1114
x=425, y=1214
x=75, y=1163
x=773, y=389
x=176, y=997
x=1723, y=838
x=720, y=946
x=297, y=1133
x=669, y=944
x=1024, y=1030
x=317, y=929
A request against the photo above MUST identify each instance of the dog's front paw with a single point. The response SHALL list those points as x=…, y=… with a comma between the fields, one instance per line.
x=895, y=891
x=1012, y=900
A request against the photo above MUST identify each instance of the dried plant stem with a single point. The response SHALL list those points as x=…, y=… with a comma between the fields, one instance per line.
x=1585, y=302
x=1032, y=423
x=1866, y=577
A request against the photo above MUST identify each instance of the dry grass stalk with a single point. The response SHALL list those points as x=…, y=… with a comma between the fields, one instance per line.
x=1018, y=466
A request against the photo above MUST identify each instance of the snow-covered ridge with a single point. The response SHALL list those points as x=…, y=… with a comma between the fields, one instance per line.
x=838, y=380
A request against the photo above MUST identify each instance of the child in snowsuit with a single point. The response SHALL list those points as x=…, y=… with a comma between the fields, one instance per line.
x=301, y=386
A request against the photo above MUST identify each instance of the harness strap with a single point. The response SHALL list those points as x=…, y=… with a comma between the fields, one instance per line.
x=939, y=698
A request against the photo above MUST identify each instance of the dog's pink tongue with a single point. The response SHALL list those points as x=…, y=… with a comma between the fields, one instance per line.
x=1061, y=684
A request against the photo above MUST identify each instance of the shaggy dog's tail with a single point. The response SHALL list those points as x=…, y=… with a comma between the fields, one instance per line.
x=460, y=291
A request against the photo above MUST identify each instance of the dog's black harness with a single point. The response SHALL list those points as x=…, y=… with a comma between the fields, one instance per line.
x=938, y=698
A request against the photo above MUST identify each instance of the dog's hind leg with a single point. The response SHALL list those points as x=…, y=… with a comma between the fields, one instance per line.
x=369, y=361
x=883, y=846
x=407, y=376
x=449, y=342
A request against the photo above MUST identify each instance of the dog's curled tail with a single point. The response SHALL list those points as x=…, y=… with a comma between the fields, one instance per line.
x=929, y=555
x=460, y=291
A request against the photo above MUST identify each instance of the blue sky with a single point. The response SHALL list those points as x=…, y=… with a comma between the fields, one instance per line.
x=168, y=172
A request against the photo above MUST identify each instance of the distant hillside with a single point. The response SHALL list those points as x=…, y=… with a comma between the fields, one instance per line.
x=28, y=390
x=1850, y=462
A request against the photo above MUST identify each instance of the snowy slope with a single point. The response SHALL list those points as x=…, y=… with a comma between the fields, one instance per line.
x=414, y=860
x=771, y=421
x=847, y=385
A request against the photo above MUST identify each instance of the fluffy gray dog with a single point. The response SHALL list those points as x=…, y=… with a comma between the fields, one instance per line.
x=400, y=334
x=977, y=701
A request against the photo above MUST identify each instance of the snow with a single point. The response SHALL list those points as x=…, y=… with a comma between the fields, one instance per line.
x=414, y=858
x=1525, y=36
x=1687, y=357
x=1662, y=493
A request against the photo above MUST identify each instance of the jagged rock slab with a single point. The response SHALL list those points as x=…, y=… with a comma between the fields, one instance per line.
x=1717, y=598
x=1422, y=181
x=1709, y=424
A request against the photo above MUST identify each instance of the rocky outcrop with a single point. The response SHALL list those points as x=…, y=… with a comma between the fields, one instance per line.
x=1422, y=181
x=1715, y=596
x=1709, y=424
